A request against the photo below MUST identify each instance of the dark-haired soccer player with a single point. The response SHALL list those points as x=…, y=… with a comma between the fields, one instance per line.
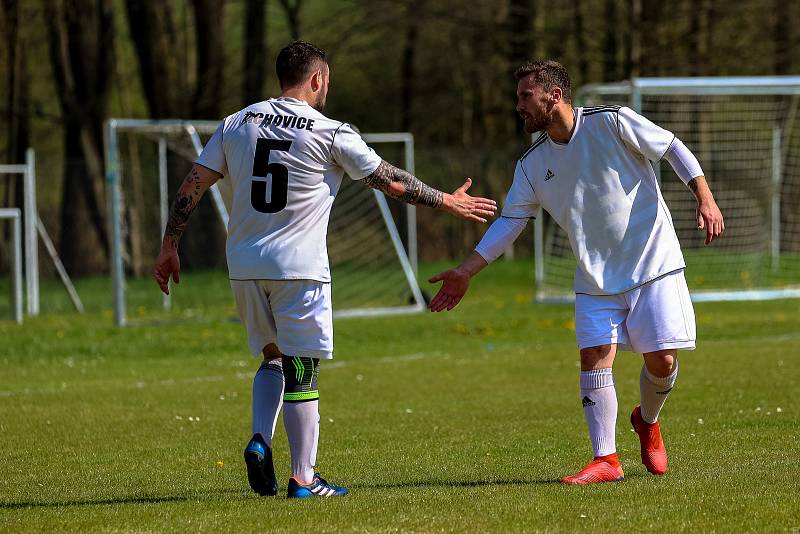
x=590, y=169
x=286, y=161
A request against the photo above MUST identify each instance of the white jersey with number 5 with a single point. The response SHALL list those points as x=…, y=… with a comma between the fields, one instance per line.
x=601, y=189
x=286, y=161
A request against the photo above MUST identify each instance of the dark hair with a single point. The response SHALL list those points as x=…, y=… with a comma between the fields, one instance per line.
x=296, y=61
x=549, y=74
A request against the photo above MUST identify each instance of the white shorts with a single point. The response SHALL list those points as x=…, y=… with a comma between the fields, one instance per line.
x=296, y=315
x=655, y=316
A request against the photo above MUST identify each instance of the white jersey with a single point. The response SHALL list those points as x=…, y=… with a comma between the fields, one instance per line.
x=601, y=189
x=286, y=161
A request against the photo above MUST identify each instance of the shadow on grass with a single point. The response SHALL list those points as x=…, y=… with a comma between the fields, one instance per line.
x=134, y=499
x=454, y=484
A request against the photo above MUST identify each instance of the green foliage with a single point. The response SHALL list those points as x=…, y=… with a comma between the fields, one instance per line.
x=450, y=422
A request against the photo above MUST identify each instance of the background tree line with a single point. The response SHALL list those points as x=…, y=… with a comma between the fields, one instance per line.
x=441, y=69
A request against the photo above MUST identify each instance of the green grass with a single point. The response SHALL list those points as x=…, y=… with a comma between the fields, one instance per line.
x=450, y=422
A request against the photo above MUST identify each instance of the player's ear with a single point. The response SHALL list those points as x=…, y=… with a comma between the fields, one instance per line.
x=556, y=95
x=316, y=80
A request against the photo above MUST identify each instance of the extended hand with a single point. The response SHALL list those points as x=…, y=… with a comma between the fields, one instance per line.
x=710, y=218
x=456, y=283
x=167, y=264
x=465, y=206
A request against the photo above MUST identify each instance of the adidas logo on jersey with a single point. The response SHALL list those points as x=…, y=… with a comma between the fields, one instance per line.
x=549, y=175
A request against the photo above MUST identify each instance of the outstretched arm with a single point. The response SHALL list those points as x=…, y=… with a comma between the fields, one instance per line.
x=456, y=282
x=405, y=187
x=498, y=237
x=189, y=194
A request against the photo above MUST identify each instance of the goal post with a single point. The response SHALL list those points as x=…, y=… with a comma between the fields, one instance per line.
x=374, y=271
x=745, y=133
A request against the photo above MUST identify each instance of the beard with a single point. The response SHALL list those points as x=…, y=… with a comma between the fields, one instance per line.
x=319, y=104
x=535, y=124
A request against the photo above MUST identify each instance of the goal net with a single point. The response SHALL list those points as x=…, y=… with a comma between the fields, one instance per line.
x=746, y=135
x=373, y=262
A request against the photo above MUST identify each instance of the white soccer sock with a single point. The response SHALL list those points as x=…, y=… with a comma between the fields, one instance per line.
x=653, y=391
x=267, y=398
x=301, y=420
x=599, y=399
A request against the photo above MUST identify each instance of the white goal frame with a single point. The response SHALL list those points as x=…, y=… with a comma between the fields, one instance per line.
x=161, y=128
x=705, y=86
x=33, y=230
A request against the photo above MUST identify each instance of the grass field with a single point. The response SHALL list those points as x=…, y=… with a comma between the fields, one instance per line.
x=453, y=422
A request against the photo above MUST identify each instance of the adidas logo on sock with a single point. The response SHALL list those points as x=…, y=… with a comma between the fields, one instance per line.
x=663, y=392
x=588, y=402
x=549, y=175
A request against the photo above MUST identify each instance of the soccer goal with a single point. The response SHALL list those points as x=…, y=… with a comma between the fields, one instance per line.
x=373, y=265
x=745, y=132
x=25, y=242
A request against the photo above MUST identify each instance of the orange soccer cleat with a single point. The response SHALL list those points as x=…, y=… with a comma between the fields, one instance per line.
x=654, y=454
x=601, y=469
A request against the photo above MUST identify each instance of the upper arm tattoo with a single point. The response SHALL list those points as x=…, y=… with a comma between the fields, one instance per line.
x=185, y=202
x=414, y=190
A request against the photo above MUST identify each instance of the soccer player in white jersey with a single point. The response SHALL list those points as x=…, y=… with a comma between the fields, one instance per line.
x=590, y=169
x=286, y=161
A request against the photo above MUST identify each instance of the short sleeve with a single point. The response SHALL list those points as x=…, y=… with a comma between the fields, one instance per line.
x=642, y=135
x=351, y=153
x=521, y=201
x=213, y=156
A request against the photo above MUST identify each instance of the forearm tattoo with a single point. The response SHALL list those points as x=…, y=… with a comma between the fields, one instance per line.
x=414, y=190
x=185, y=201
x=693, y=185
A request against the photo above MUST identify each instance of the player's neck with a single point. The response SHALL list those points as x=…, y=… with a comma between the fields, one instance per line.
x=563, y=124
x=298, y=93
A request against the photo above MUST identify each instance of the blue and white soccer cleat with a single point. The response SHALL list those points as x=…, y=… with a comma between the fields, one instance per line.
x=260, y=472
x=319, y=487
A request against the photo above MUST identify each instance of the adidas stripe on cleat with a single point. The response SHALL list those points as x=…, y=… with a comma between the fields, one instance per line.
x=260, y=471
x=597, y=471
x=654, y=454
x=319, y=487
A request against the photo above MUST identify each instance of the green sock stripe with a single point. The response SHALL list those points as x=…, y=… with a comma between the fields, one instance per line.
x=301, y=395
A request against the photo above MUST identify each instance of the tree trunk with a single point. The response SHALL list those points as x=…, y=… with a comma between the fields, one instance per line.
x=291, y=9
x=161, y=62
x=610, y=42
x=17, y=107
x=520, y=27
x=407, y=67
x=208, y=16
x=783, y=37
x=81, y=37
x=634, y=51
x=152, y=30
x=255, y=51
x=580, y=43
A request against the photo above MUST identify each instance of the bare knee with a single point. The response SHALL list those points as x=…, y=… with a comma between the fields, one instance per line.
x=271, y=352
x=600, y=357
x=661, y=363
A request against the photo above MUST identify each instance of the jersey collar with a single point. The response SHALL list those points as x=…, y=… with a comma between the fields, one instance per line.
x=290, y=100
x=577, y=113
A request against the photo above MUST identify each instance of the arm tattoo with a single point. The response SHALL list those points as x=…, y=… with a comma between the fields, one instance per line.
x=185, y=202
x=414, y=190
x=693, y=185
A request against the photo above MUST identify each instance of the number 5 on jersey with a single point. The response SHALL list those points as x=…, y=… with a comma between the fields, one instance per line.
x=280, y=177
